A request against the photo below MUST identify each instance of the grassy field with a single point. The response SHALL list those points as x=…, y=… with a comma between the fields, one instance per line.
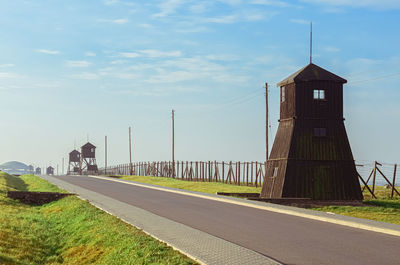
x=71, y=231
x=207, y=187
x=381, y=209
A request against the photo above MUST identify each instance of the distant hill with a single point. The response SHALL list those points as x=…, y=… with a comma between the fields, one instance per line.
x=15, y=167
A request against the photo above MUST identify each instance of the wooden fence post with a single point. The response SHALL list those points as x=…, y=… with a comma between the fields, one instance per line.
x=247, y=173
x=374, y=178
x=202, y=171
x=256, y=174
x=392, y=186
x=365, y=185
x=394, y=180
x=239, y=174
x=252, y=183
x=223, y=171
x=209, y=171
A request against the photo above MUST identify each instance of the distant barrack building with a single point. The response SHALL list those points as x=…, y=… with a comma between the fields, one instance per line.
x=311, y=155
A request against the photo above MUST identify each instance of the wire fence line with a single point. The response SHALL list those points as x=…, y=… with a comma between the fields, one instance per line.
x=371, y=173
x=237, y=173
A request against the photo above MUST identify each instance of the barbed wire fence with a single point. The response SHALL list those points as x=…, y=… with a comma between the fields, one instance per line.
x=371, y=173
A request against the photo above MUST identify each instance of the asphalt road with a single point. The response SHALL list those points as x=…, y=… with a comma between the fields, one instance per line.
x=285, y=238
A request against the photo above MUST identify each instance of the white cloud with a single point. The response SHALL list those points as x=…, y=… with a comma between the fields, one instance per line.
x=110, y=2
x=221, y=20
x=231, y=2
x=374, y=4
x=120, y=21
x=46, y=51
x=86, y=75
x=129, y=54
x=299, y=21
x=245, y=15
x=168, y=7
x=192, y=29
x=270, y=3
x=199, y=7
x=150, y=53
x=331, y=49
x=254, y=16
x=118, y=62
x=7, y=75
x=7, y=65
x=118, y=73
x=78, y=63
x=146, y=26
x=125, y=75
x=90, y=54
x=156, y=53
x=195, y=68
x=222, y=57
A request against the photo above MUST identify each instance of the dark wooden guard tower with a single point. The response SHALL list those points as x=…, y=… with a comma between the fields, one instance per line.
x=50, y=170
x=311, y=155
x=74, y=165
x=88, y=158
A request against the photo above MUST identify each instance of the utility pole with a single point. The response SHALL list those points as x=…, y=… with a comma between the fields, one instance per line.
x=266, y=122
x=173, y=143
x=130, y=153
x=311, y=42
x=105, y=159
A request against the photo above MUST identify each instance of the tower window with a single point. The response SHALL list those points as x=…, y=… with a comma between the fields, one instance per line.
x=283, y=96
x=319, y=94
x=320, y=132
x=275, y=173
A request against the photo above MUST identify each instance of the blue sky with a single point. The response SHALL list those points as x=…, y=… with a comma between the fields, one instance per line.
x=69, y=69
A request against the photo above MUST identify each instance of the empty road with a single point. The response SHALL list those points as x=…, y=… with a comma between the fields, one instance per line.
x=285, y=238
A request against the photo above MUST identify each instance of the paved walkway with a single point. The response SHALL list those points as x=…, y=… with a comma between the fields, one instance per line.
x=200, y=246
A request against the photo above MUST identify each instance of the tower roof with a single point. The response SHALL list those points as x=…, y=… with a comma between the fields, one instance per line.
x=74, y=152
x=311, y=72
x=88, y=146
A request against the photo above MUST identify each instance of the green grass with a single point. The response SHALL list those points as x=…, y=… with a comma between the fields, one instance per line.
x=71, y=231
x=382, y=209
x=207, y=187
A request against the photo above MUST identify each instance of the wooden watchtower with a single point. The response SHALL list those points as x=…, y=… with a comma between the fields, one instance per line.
x=311, y=155
x=88, y=158
x=74, y=165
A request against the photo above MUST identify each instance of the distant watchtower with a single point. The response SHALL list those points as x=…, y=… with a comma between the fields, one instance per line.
x=38, y=171
x=74, y=165
x=311, y=155
x=50, y=170
x=88, y=158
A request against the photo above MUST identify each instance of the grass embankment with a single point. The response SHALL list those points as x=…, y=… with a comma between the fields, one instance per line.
x=71, y=231
x=382, y=209
x=206, y=187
